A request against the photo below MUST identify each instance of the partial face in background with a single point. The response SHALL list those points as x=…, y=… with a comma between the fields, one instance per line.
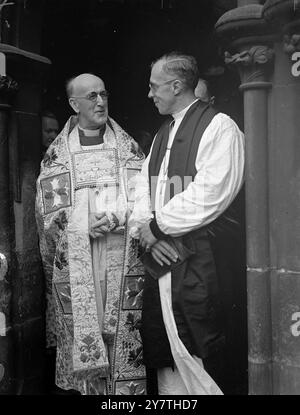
x=50, y=130
x=89, y=101
x=162, y=89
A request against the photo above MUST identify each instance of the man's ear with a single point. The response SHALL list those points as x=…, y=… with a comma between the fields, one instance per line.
x=74, y=105
x=177, y=86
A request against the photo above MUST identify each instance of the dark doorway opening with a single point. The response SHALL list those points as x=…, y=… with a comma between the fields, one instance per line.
x=118, y=39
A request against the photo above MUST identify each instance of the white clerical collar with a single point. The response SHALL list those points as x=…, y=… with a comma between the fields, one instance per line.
x=89, y=133
x=182, y=113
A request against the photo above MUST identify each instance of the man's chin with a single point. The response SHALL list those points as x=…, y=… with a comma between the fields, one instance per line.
x=101, y=120
x=160, y=110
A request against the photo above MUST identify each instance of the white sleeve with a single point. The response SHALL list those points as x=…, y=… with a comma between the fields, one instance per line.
x=220, y=173
x=142, y=211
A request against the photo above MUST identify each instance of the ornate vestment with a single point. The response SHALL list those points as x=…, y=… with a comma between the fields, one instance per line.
x=98, y=352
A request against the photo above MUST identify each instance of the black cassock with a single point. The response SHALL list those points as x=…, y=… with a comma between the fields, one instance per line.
x=209, y=280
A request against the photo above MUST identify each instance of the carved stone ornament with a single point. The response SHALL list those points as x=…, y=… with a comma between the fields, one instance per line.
x=7, y=84
x=255, y=55
x=291, y=43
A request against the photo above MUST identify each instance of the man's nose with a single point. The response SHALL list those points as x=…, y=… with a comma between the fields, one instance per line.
x=150, y=94
x=100, y=100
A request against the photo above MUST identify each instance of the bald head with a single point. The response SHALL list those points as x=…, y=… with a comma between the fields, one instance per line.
x=81, y=81
x=88, y=98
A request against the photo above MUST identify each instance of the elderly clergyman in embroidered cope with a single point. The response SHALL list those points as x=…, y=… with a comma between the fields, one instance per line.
x=190, y=230
x=84, y=196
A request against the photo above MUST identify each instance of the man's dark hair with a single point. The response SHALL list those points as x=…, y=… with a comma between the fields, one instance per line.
x=183, y=67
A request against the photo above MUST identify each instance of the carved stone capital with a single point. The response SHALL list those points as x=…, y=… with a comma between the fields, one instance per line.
x=7, y=84
x=251, y=63
x=291, y=43
x=255, y=55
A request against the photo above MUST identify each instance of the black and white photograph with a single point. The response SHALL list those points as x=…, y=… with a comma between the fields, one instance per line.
x=149, y=211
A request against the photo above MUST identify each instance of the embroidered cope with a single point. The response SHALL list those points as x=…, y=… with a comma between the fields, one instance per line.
x=94, y=286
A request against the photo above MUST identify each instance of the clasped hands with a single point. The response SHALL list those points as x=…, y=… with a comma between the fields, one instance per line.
x=161, y=251
x=99, y=224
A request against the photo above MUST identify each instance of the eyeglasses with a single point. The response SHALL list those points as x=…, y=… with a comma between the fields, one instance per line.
x=92, y=96
x=154, y=87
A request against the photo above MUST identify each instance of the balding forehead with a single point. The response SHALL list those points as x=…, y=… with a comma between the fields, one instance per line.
x=86, y=82
x=158, y=66
x=157, y=70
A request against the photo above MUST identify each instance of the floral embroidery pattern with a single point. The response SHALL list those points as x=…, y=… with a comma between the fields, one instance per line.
x=86, y=354
x=132, y=388
x=60, y=260
x=61, y=220
x=132, y=322
x=133, y=295
x=56, y=192
x=49, y=157
x=89, y=350
x=130, y=350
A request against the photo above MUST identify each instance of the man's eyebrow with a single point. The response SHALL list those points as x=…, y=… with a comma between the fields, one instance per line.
x=96, y=92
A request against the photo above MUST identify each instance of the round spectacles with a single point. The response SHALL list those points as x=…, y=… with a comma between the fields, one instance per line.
x=154, y=87
x=92, y=96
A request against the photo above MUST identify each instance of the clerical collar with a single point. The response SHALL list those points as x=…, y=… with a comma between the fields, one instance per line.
x=91, y=137
x=182, y=113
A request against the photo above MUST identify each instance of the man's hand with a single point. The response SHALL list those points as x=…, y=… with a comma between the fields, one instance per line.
x=147, y=239
x=162, y=252
x=98, y=224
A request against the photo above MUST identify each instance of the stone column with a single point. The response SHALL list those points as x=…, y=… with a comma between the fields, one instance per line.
x=246, y=37
x=284, y=195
